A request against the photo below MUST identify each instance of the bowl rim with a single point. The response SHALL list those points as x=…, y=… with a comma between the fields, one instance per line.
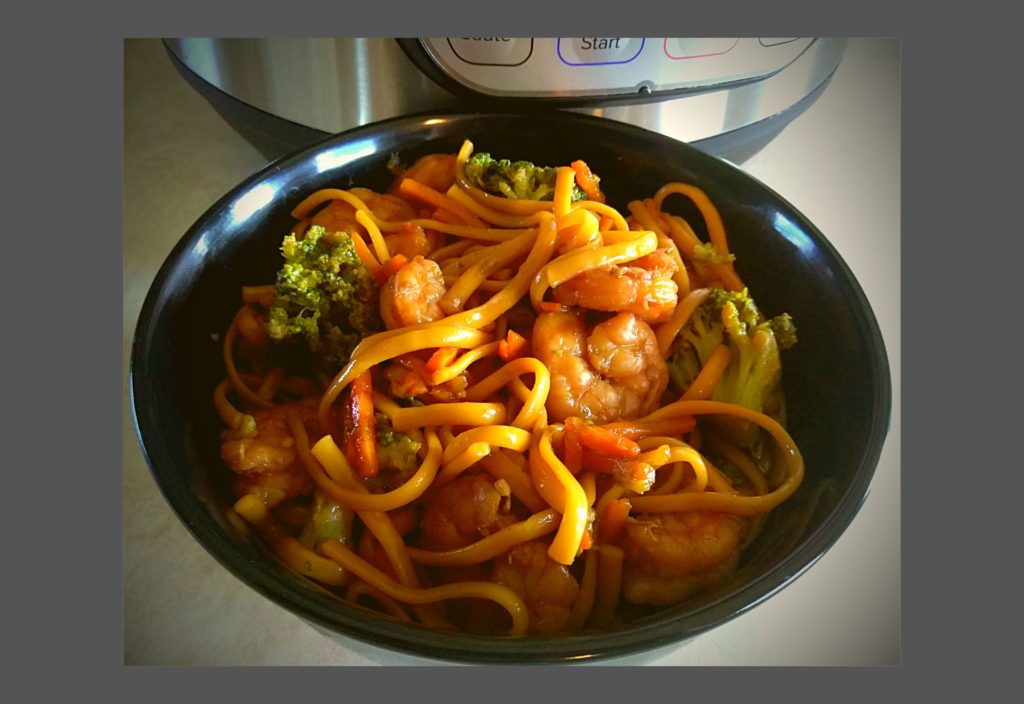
x=415, y=640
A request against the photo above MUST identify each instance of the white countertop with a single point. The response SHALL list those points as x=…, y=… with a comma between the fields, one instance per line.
x=839, y=163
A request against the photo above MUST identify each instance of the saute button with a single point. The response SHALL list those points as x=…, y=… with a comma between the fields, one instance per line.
x=594, y=51
x=492, y=51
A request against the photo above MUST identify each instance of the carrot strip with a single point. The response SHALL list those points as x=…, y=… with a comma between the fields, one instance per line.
x=587, y=541
x=414, y=189
x=552, y=307
x=441, y=358
x=446, y=216
x=361, y=427
x=396, y=262
x=596, y=461
x=572, y=449
x=612, y=519
x=512, y=346
x=586, y=181
x=639, y=429
x=602, y=440
x=367, y=258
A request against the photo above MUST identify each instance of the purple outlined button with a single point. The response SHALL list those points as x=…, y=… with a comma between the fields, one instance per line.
x=492, y=51
x=598, y=51
x=698, y=48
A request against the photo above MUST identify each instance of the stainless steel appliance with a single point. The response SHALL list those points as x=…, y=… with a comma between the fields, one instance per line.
x=726, y=96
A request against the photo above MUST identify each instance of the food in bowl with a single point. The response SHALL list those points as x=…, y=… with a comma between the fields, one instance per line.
x=484, y=399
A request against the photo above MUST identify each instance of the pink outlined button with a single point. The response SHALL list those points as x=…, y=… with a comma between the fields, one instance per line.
x=697, y=48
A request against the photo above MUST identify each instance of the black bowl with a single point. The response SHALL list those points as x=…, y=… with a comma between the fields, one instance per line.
x=836, y=379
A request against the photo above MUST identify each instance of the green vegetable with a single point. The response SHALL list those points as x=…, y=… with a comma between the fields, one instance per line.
x=707, y=252
x=325, y=296
x=515, y=179
x=326, y=520
x=396, y=449
x=753, y=376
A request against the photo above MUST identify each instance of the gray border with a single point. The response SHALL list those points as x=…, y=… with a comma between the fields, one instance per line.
x=86, y=66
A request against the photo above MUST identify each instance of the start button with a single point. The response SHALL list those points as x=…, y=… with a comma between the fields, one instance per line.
x=492, y=51
x=596, y=51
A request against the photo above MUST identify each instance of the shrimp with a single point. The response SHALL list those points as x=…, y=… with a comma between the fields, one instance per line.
x=412, y=241
x=644, y=287
x=617, y=372
x=463, y=512
x=670, y=557
x=434, y=170
x=411, y=295
x=266, y=460
x=339, y=216
x=547, y=587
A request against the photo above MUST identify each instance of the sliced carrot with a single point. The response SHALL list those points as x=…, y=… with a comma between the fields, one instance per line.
x=612, y=520
x=638, y=429
x=367, y=258
x=512, y=346
x=360, y=427
x=552, y=307
x=412, y=188
x=446, y=216
x=587, y=541
x=596, y=461
x=396, y=262
x=586, y=181
x=573, y=450
x=441, y=358
x=603, y=440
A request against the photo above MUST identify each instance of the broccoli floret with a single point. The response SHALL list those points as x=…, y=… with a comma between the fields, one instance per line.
x=754, y=372
x=515, y=179
x=324, y=295
x=784, y=328
x=396, y=449
x=707, y=252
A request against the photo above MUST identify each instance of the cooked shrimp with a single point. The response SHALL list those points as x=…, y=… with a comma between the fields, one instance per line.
x=615, y=372
x=411, y=295
x=463, y=512
x=266, y=459
x=547, y=587
x=412, y=240
x=670, y=557
x=643, y=287
x=434, y=170
x=339, y=216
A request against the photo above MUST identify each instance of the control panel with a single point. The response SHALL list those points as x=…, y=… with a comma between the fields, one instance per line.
x=583, y=67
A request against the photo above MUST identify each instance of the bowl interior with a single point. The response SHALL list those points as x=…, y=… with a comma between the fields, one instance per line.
x=836, y=378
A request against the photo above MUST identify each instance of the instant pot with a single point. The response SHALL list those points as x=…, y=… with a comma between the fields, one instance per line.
x=726, y=96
